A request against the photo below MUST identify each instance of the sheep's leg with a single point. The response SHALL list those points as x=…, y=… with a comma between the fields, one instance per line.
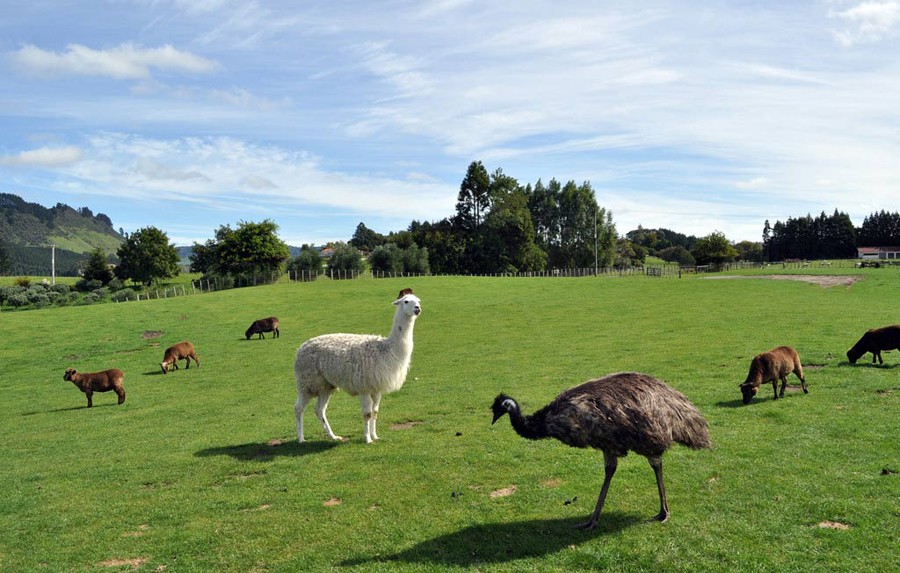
x=656, y=464
x=880, y=359
x=802, y=381
x=610, y=464
x=321, y=406
x=367, y=403
x=775, y=387
x=121, y=393
x=783, y=386
x=90, y=398
x=299, y=406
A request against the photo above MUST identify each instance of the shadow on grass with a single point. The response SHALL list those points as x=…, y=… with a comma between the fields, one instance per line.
x=82, y=407
x=870, y=365
x=501, y=542
x=267, y=451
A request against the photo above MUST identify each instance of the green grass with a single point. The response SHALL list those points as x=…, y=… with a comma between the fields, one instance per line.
x=199, y=472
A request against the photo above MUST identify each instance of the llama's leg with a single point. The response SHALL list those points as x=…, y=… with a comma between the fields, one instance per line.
x=367, y=403
x=656, y=464
x=376, y=403
x=299, y=406
x=321, y=405
x=610, y=463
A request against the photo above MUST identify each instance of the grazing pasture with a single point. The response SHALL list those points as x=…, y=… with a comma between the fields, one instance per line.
x=201, y=472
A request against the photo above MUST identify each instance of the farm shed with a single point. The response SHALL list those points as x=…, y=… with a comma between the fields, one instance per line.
x=882, y=253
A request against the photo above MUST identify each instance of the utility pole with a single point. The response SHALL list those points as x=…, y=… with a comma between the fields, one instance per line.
x=53, y=264
x=595, y=239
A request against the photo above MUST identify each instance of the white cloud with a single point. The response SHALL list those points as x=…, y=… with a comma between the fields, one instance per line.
x=44, y=157
x=867, y=22
x=125, y=62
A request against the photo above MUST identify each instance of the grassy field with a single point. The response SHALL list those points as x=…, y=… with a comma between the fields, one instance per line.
x=199, y=470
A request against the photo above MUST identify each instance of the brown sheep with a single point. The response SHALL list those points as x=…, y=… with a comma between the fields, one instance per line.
x=263, y=325
x=175, y=353
x=874, y=341
x=773, y=366
x=90, y=382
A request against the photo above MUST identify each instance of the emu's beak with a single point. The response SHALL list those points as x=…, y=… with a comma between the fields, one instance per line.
x=497, y=416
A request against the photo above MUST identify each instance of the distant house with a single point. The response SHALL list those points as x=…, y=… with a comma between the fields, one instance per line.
x=878, y=253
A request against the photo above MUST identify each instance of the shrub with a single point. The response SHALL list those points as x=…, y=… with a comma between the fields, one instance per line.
x=24, y=282
x=101, y=292
x=85, y=285
x=8, y=291
x=90, y=298
x=39, y=300
x=18, y=299
x=60, y=288
x=115, y=284
x=123, y=295
x=34, y=294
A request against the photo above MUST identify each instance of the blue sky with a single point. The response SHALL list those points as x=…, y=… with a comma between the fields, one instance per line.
x=697, y=117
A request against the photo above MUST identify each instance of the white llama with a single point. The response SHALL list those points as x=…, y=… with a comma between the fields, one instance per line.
x=364, y=364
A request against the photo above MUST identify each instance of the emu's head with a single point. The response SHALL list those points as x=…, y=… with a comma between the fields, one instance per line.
x=749, y=391
x=503, y=404
x=69, y=373
x=409, y=304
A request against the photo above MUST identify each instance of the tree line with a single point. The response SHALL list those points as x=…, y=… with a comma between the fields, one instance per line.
x=828, y=236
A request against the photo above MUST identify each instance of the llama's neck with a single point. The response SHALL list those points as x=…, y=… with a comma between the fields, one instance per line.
x=402, y=333
x=530, y=427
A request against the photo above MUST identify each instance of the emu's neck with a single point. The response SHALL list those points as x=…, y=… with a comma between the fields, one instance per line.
x=531, y=427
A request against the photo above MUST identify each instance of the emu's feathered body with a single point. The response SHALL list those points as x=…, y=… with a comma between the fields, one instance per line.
x=616, y=414
x=367, y=365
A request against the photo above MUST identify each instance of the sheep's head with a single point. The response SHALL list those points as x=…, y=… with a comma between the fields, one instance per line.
x=503, y=404
x=165, y=367
x=853, y=355
x=409, y=304
x=69, y=373
x=749, y=391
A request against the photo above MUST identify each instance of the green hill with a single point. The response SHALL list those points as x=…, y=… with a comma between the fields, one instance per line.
x=28, y=229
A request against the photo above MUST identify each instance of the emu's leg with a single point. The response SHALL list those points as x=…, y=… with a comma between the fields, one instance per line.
x=299, y=406
x=656, y=464
x=610, y=463
x=321, y=405
x=367, y=402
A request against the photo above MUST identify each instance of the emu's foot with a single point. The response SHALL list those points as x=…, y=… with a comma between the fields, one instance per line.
x=587, y=525
x=662, y=517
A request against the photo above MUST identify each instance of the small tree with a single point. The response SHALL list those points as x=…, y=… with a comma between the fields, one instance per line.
x=387, y=259
x=678, y=254
x=714, y=249
x=415, y=260
x=97, y=267
x=146, y=256
x=345, y=260
x=309, y=261
x=253, y=249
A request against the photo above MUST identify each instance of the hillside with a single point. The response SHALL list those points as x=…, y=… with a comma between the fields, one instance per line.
x=28, y=229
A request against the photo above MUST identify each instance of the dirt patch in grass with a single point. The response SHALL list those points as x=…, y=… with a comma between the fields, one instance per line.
x=133, y=563
x=821, y=280
x=406, y=425
x=138, y=533
x=833, y=525
x=333, y=502
x=149, y=334
x=553, y=482
x=503, y=492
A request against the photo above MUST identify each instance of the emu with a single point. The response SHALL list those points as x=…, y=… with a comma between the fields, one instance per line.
x=618, y=413
x=367, y=365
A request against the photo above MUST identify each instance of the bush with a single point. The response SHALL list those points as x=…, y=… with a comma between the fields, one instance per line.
x=60, y=288
x=85, y=285
x=34, y=294
x=39, y=300
x=90, y=298
x=18, y=299
x=123, y=295
x=102, y=292
x=8, y=291
x=115, y=284
x=24, y=282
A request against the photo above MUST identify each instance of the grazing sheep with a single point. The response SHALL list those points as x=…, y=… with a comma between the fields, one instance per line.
x=773, y=366
x=874, y=341
x=367, y=365
x=177, y=352
x=90, y=382
x=616, y=414
x=263, y=325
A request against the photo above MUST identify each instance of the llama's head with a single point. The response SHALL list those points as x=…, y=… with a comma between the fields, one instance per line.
x=748, y=390
x=409, y=304
x=503, y=404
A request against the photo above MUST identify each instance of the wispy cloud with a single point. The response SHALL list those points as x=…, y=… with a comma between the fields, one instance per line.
x=44, y=157
x=866, y=22
x=125, y=62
